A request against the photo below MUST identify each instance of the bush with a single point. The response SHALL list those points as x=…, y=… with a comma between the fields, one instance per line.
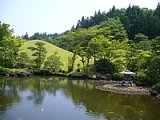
x=5, y=70
x=53, y=63
x=117, y=77
x=154, y=69
x=156, y=88
x=141, y=79
x=41, y=72
x=104, y=66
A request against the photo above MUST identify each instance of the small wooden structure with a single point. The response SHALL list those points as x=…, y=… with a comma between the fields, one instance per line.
x=127, y=78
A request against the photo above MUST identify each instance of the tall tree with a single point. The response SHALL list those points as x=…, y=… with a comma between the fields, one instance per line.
x=157, y=11
x=5, y=30
x=26, y=37
x=39, y=52
x=9, y=46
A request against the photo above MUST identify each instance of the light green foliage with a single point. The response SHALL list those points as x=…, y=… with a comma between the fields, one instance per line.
x=5, y=31
x=39, y=53
x=71, y=61
x=53, y=62
x=9, y=50
x=113, y=50
x=23, y=58
x=113, y=28
x=85, y=54
x=9, y=46
x=137, y=57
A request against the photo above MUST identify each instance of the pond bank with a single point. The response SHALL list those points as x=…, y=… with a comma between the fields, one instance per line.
x=103, y=85
x=118, y=88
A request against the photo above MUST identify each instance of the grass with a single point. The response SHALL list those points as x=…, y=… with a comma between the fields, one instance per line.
x=64, y=54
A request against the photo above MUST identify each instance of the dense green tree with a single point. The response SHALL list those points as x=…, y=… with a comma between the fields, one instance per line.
x=95, y=48
x=154, y=69
x=39, y=52
x=135, y=20
x=157, y=10
x=142, y=42
x=53, y=62
x=4, y=54
x=140, y=37
x=10, y=46
x=104, y=66
x=85, y=54
x=113, y=28
x=5, y=30
x=24, y=59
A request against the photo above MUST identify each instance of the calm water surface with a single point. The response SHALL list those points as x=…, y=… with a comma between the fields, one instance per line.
x=50, y=98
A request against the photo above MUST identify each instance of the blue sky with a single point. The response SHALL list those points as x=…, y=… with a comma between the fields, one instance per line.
x=56, y=16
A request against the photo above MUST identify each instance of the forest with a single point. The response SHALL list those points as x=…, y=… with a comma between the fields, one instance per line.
x=107, y=43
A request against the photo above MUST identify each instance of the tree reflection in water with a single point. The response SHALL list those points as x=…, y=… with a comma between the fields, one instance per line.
x=83, y=95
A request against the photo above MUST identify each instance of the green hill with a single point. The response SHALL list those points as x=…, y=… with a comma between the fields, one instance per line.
x=64, y=54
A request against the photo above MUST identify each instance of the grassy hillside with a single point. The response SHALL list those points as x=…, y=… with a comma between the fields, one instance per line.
x=64, y=54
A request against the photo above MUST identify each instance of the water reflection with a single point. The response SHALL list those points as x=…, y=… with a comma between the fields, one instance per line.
x=58, y=98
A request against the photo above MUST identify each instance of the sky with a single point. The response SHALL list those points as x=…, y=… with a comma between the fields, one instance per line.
x=57, y=16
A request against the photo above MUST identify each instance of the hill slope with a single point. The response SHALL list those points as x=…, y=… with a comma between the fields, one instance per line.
x=64, y=54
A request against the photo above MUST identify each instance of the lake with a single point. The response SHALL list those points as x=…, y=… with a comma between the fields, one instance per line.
x=54, y=98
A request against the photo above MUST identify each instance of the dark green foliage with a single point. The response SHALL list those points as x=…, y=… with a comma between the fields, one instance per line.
x=156, y=45
x=104, y=66
x=157, y=11
x=41, y=72
x=156, y=88
x=154, y=69
x=141, y=78
x=41, y=36
x=92, y=21
x=26, y=37
x=135, y=20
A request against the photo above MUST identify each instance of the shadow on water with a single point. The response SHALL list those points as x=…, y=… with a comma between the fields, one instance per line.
x=19, y=93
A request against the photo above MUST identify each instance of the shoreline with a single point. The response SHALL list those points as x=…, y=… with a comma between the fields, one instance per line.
x=103, y=85
x=117, y=88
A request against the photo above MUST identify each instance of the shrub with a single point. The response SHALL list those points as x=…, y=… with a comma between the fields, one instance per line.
x=104, y=66
x=41, y=72
x=5, y=70
x=154, y=69
x=156, y=88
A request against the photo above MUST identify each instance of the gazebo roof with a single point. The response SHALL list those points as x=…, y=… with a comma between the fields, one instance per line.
x=127, y=72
